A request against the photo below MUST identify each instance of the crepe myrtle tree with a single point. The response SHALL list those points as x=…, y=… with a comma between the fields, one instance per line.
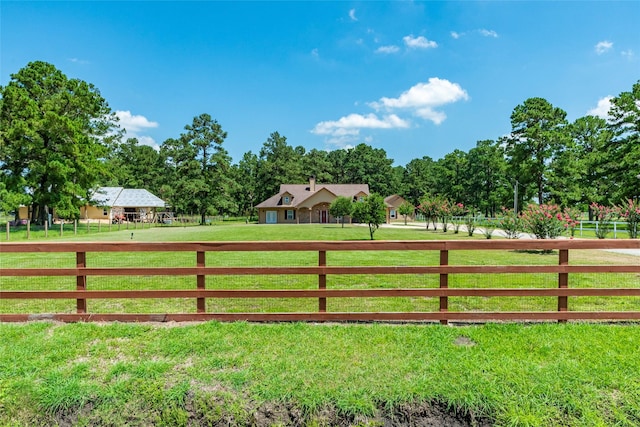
x=341, y=207
x=371, y=210
x=405, y=210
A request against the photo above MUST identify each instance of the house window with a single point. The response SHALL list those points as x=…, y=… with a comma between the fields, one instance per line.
x=286, y=200
x=361, y=199
x=104, y=212
x=392, y=213
x=291, y=215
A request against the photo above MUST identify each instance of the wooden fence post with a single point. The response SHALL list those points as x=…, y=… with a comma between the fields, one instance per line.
x=444, y=283
x=81, y=282
x=8, y=230
x=563, y=282
x=46, y=228
x=28, y=229
x=201, y=285
x=322, y=281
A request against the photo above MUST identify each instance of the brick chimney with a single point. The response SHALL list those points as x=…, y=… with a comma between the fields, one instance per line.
x=312, y=183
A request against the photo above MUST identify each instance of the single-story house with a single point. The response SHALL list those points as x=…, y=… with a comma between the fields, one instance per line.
x=393, y=204
x=307, y=203
x=117, y=204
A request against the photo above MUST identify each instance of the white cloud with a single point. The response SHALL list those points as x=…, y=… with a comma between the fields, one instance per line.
x=419, y=42
x=420, y=100
x=603, y=47
x=352, y=15
x=314, y=53
x=351, y=124
x=602, y=110
x=147, y=140
x=424, y=97
x=482, y=31
x=387, y=49
x=627, y=53
x=426, y=113
x=488, y=33
x=133, y=125
x=78, y=61
x=346, y=130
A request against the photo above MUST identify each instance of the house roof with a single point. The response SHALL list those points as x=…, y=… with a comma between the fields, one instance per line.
x=126, y=198
x=394, y=201
x=302, y=192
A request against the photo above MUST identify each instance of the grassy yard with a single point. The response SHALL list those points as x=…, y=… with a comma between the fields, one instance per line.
x=317, y=374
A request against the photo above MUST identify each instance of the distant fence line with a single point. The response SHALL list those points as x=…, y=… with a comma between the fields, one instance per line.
x=617, y=229
x=97, y=226
x=200, y=293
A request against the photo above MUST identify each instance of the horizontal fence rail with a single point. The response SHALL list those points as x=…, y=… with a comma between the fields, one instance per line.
x=14, y=264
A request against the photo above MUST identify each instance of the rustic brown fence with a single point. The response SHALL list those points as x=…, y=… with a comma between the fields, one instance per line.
x=560, y=289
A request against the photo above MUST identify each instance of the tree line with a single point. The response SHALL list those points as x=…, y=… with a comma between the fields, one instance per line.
x=59, y=141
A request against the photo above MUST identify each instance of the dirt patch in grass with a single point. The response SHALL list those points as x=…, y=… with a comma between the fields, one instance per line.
x=215, y=412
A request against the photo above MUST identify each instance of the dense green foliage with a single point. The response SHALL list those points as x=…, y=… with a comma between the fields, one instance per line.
x=370, y=211
x=58, y=143
x=199, y=169
x=341, y=207
x=56, y=133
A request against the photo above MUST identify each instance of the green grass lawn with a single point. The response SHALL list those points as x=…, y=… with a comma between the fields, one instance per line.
x=211, y=373
x=222, y=374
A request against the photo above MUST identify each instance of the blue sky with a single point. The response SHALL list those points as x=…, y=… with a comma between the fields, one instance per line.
x=414, y=78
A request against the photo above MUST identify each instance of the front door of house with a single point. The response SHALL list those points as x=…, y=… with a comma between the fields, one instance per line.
x=271, y=217
x=324, y=217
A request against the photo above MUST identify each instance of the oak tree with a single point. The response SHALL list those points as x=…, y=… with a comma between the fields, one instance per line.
x=56, y=133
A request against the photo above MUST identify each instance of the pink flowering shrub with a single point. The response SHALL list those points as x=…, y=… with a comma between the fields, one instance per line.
x=604, y=216
x=572, y=220
x=543, y=221
x=510, y=223
x=630, y=212
x=429, y=207
x=457, y=210
x=444, y=213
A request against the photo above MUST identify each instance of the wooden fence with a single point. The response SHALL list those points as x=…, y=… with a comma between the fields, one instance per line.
x=200, y=293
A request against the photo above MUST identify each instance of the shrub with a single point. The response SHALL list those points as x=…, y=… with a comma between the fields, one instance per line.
x=470, y=222
x=445, y=214
x=429, y=207
x=457, y=210
x=510, y=223
x=604, y=216
x=543, y=221
x=488, y=227
x=630, y=212
x=572, y=219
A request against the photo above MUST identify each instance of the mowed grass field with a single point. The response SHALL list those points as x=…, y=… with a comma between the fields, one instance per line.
x=575, y=374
